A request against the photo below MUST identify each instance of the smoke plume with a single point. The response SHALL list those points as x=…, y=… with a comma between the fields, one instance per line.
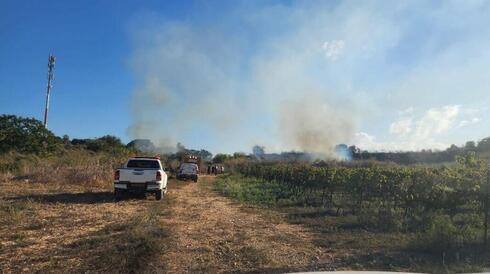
x=298, y=75
x=272, y=83
x=312, y=125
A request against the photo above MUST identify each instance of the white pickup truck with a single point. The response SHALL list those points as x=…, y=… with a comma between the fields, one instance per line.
x=140, y=175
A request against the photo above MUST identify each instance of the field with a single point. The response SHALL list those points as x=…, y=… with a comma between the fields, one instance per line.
x=60, y=216
x=48, y=227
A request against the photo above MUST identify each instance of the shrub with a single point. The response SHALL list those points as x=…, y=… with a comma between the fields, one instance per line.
x=25, y=135
x=108, y=143
x=72, y=166
x=382, y=219
x=441, y=235
x=251, y=190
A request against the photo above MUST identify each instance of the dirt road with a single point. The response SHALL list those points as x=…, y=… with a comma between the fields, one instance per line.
x=52, y=228
x=214, y=234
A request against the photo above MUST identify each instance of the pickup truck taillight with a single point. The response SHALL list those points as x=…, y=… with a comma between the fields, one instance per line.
x=158, y=176
x=116, y=175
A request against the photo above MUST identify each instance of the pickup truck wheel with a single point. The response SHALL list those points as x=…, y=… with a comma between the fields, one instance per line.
x=159, y=194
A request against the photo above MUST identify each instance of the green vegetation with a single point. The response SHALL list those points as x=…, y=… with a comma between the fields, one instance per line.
x=441, y=209
x=251, y=190
x=25, y=135
x=106, y=144
x=423, y=213
x=482, y=148
x=33, y=153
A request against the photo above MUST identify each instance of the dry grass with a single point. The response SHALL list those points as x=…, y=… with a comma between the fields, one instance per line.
x=54, y=227
x=217, y=235
x=62, y=228
x=76, y=167
x=53, y=222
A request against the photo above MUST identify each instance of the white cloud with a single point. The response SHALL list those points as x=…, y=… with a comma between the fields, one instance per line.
x=473, y=120
x=333, y=49
x=366, y=141
x=436, y=121
x=412, y=132
x=401, y=127
x=433, y=122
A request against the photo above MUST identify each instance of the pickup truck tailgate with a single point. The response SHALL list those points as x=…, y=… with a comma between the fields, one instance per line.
x=137, y=175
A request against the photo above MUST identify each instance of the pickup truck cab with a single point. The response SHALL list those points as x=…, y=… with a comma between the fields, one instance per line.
x=140, y=175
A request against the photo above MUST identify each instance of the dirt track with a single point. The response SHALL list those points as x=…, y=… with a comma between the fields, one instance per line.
x=214, y=234
x=52, y=228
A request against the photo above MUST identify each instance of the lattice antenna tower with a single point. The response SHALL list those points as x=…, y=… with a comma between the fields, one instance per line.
x=51, y=61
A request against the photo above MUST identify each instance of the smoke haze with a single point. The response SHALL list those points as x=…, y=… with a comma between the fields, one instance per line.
x=308, y=75
x=195, y=81
x=309, y=124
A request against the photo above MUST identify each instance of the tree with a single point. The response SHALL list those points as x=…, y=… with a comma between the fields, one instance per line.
x=484, y=144
x=220, y=158
x=143, y=145
x=205, y=155
x=26, y=135
x=106, y=143
x=258, y=151
x=66, y=139
x=470, y=145
x=237, y=155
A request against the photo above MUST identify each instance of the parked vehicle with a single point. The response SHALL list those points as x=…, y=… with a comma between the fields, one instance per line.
x=188, y=171
x=189, y=167
x=140, y=175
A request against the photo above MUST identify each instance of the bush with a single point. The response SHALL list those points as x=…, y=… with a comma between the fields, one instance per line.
x=80, y=167
x=108, y=143
x=251, y=190
x=25, y=135
x=440, y=237
x=382, y=219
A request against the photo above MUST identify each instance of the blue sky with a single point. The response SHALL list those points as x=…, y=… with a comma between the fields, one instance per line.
x=92, y=82
x=225, y=75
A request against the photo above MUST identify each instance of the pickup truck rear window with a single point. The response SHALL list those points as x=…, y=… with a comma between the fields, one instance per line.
x=143, y=164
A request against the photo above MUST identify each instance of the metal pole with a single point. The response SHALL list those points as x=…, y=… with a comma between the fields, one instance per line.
x=51, y=61
x=486, y=208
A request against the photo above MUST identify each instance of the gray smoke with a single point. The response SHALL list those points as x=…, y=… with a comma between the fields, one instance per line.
x=312, y=125
x=199, y=82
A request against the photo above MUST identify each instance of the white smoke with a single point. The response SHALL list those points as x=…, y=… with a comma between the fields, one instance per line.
x=303, y=75
x=197, y=80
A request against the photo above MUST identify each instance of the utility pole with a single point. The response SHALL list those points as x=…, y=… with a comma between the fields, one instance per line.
x=51, y=60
